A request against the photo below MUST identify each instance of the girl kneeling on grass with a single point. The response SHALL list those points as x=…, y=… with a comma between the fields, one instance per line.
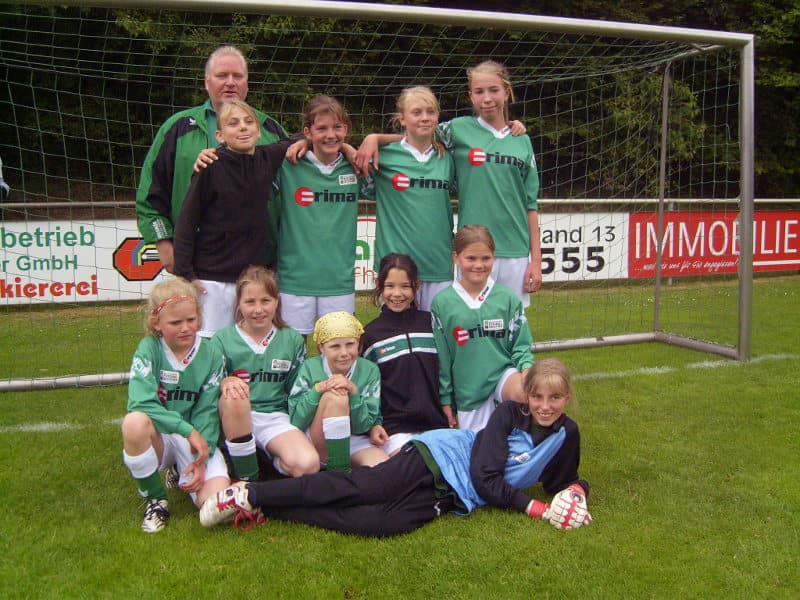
x=172, y=404
x=262, y=357
x=445, y=470
x=336, y=397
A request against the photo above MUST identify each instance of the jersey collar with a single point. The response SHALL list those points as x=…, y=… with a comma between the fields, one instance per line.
x=181, y=363
x=258, y=347
x=328, y=168
x=469, y=300
x=420, y=156
x=502, y=133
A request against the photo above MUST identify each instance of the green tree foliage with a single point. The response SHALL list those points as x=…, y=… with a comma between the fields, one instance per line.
x=127, y=70
x=776, y=26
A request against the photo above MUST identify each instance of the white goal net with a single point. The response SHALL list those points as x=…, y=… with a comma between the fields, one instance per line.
x=643, y=139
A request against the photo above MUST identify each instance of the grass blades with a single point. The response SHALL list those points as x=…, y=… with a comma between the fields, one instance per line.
x=692, y=461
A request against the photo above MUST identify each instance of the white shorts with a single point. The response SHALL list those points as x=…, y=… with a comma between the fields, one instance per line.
x=217, y=306
x=428, y=290
x=178, y=452
x=478, y=418
x=268, y=426
x=301, y=312
x=511, y=273
x=396, y=441
x=361, y=442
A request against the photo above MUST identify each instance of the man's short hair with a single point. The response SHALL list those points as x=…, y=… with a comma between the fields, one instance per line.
x=222, y=51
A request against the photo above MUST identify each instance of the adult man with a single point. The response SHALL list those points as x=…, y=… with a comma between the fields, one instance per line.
x=168, y=165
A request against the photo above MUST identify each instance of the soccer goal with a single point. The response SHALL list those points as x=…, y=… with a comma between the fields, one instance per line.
x=643, y=137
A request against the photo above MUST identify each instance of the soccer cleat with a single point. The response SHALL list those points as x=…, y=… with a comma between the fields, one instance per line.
x=231, y=504
x=155, y=515
x=172, y=478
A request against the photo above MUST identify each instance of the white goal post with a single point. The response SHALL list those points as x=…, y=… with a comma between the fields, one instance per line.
x=621, y=116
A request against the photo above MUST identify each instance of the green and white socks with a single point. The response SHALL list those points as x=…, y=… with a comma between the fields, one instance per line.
x=243, y=455
x=144, y=468
x=337, y=440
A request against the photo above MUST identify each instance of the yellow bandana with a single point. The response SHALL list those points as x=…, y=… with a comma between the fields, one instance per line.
x=336, y=325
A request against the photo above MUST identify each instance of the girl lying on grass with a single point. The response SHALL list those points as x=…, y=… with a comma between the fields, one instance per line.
x=439, y=471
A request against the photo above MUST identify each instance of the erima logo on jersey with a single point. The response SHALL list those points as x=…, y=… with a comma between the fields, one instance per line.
x=242, y=374
x=477, y=157
x=305, y=196
x=462, y=335
x=176, y=395
x=401, y=182
x=260, y=376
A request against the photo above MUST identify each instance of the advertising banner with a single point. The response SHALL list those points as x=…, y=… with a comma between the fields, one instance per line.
x=105, y=260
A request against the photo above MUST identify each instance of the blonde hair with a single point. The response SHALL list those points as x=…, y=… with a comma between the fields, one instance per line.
x=258, y=275
x=491, y=67
x=472, y=234
x=325, y=105
x=426, y=96
x=224, y=51
x=228, y=108
x=550, y=372
x=162, y=295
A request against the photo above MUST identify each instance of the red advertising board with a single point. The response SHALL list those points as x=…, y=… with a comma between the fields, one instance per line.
x=703, y=243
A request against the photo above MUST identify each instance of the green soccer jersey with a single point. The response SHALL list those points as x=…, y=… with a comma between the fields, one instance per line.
x=268, y=366
x=477, y=340
x=177, y=395
x=365, y=406
x=497, y=181
x=319, y=213
x=414, y=215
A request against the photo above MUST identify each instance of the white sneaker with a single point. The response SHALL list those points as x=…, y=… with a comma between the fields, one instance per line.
x=172, y=478
x=231, y=504
x=156, y=514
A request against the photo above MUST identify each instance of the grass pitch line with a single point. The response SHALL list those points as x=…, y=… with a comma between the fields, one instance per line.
x=39, y=427
x=706, y=364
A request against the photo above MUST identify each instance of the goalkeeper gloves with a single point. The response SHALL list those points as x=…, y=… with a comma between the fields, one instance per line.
x=568, y=509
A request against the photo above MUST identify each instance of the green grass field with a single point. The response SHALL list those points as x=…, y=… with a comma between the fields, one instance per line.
x=693, y=462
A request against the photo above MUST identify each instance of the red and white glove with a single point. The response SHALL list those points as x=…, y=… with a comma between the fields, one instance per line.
x=568, y=509
x=538, y=510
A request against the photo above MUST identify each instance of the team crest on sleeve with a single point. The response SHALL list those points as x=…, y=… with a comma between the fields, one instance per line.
x=372, y=389
x=141, y=366
x=215, y=378
x=517, y=322
x=299, y=386
x=348, y=179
